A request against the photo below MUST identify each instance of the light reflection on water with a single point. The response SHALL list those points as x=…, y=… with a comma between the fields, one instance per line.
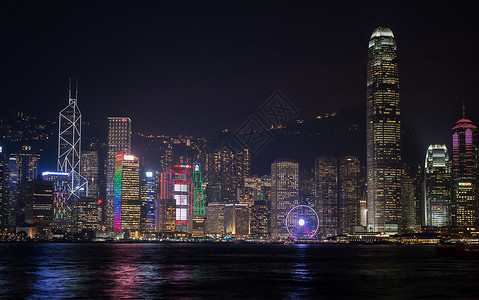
x=152, y=271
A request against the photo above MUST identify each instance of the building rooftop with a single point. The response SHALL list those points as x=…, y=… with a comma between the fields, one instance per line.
x=382, y=31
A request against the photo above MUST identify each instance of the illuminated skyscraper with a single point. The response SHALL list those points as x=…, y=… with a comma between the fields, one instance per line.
x=182, y=191
x=464, y=174
x=148, y=202
x=61, y=219
x=437, y=184
x=349, y=193
x=326, y=184
x=127, y=193
x=119, y=139
x=260, y=219
x=383, y=130
x=69, y=147
x=3, y=193
x=87, y=214
x=284, y=194
x=90, y=171
x=237, y=220
x=198, y=216
x=39, y=204
x=215, y=219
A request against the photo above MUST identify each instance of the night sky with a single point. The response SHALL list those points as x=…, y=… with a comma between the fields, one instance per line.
x=198, y=67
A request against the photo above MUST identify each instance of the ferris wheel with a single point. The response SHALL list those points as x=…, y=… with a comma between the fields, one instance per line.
x=302, y=222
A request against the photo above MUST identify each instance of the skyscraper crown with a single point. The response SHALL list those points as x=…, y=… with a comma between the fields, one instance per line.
x=382, y=32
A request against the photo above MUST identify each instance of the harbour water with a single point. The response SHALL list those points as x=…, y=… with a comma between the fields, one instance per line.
x=231, y=271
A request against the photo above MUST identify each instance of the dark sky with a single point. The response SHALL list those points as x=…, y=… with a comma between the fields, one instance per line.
x=198, y=67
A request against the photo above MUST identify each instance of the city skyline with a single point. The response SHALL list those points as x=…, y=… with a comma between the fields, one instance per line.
x=221, y=66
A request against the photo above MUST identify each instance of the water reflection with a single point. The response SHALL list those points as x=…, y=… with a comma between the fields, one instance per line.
x=231, y=271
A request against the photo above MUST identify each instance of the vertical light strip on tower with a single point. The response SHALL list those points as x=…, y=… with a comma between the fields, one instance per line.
x=69, y=146
x=198, y=199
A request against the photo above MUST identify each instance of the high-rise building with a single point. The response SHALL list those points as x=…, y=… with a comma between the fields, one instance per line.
x=284, y=194
x=119, y=139
x=90, y=170
x=464, y=174
x=260, y=219
x=437, y=183
x=326, y=184
x=27, y=166
x=198, y=206
x=349, y=193
x=39, y=204
x=69, y=146
x=3, y=193
x=148, y=202
x=237, y=220
x=127, y=193
x=61, y=207
x=12, y=191
x=182, y=191
x=383, y=130
x=215, y=219
x=230, y=168
x=87, y=214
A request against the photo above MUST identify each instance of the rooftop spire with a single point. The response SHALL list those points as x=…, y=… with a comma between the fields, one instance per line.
x=463, y=110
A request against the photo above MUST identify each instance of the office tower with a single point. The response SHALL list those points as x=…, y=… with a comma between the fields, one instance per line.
x=127, y=193
x=27, y=165
x=198, y=208
x=230, y=168
x=165, y=216
x=464, y=174
x=69, y=146
x=383, y=130
x=349, y=193
x=215, y=219
x=260, y=219
x=12, y=191
x=3, y=193
x=61, y=219
x=326, y=183
x=119, y=139
x=90, y=170
x=182, y=192
x=39, y=204
x=437, y=183
x=148, y=202
x=87, y=214
x=284, y=194
x=237, y=221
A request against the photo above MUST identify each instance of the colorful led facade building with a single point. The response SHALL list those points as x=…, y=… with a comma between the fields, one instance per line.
x=119, y=139
x=464, y=174
x=182, y=192
x=127, y=193
x=437, y=183
x=383, y=130
x=61, y=211
x=148, y=202
x=198, y=216
x=284, y=194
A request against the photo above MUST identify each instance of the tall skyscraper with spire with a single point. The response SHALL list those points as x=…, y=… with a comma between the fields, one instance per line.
x=464, y=174
x=383, y=133
x=69, y=147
